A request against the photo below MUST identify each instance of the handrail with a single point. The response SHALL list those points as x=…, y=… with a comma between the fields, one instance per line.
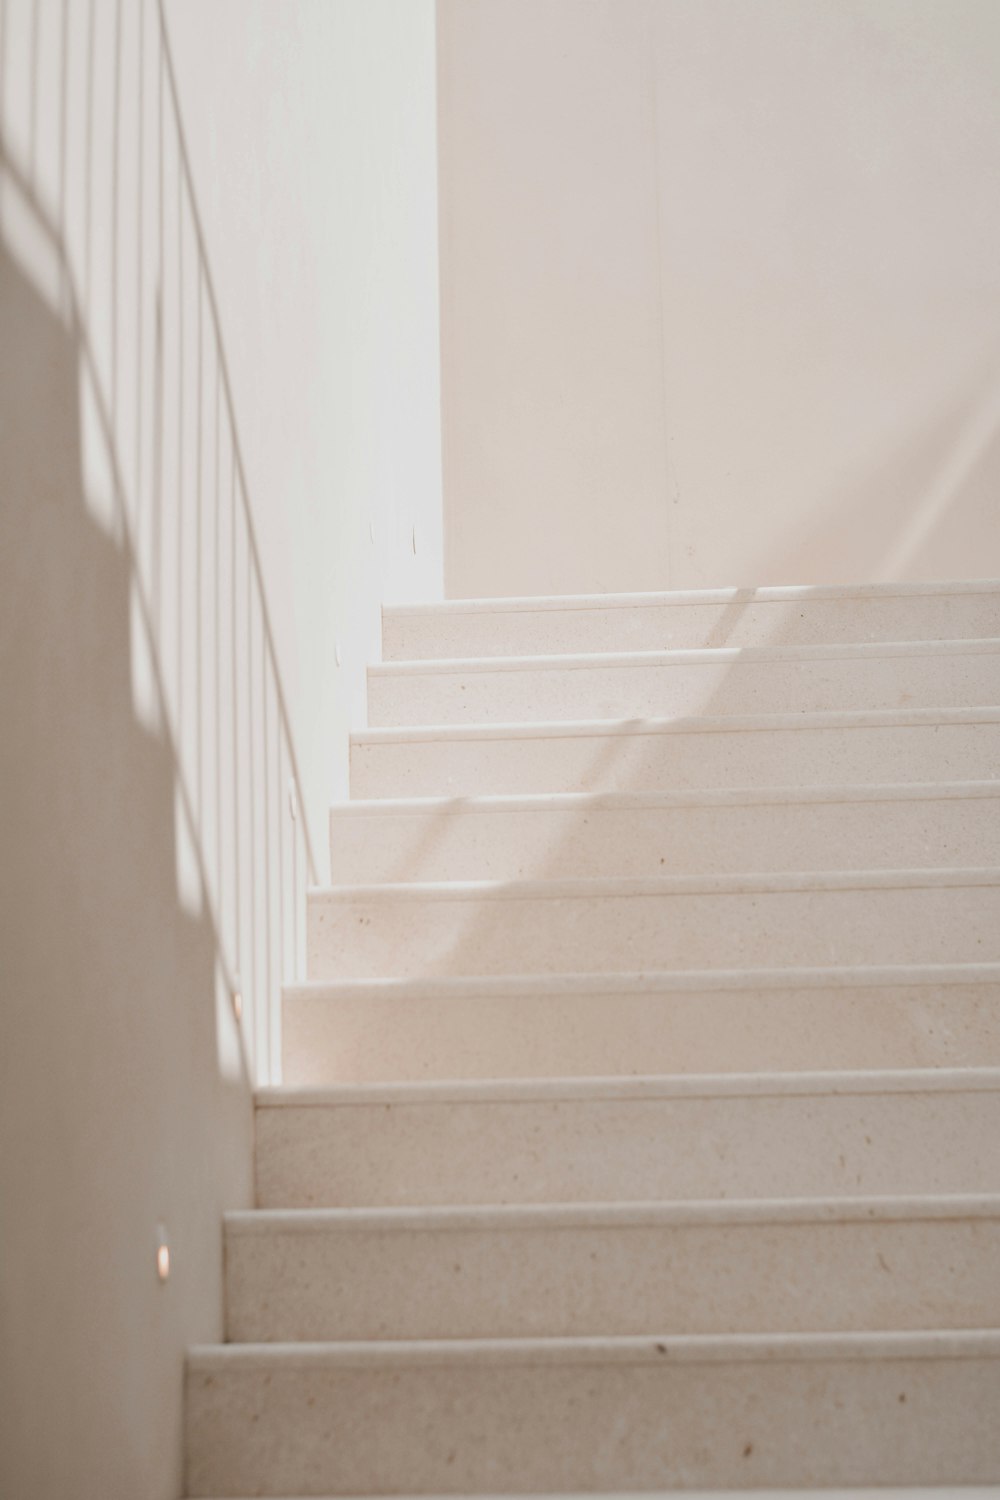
x=237, y=449
x=248, y=863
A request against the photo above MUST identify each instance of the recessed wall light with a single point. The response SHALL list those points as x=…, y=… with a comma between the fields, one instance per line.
x=162, y=1253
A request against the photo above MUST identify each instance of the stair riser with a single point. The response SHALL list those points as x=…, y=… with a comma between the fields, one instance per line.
x=659, y=626
x=672, y=760
x=413, y=935
x=564, y=1282
x=528, y=1428
x=538, y=843
x=540, y=695
x=603, y=1150
x=377, y=1038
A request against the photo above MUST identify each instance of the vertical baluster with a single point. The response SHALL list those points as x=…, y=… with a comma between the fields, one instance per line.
x=156, y=524
x=237, y=906
x=88, y=207
x=115, y=193
x=198, y=727
x=180, y=466
x=217, y=676
x=139, y=279
x=266, y=808
x=251, y=790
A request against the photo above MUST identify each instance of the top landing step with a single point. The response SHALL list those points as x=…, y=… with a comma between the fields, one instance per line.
x=783, y=616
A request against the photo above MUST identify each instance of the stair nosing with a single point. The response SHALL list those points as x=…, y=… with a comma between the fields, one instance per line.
x=772, y=594
x=632, y=1214
x=653, y=981
x=632, y=1349
x=811, y=719
x=685, y=657
x=614, y=801
x=833, y=1083
x=660, y=885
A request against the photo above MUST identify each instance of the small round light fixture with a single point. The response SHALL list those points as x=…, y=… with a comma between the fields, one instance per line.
x=162, y=1253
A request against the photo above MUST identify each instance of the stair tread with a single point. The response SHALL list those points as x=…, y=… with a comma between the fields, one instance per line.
x=688, y=656
x=777, y=593
x=884, y=1492
x=647, y=982
x=862, y=718
x=625, y=885
x=541, y=1216
x=741, y=1085
x=901, y=791
x=604, y=1349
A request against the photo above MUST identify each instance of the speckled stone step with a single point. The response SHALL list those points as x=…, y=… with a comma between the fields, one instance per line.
x=523, y=1416
x=578, y=1270
x=553, y=836
x=779, y=1135
x=695, y=618
x=721, y=681
x=606, y=926
x=693, y=753
x=587, y=1025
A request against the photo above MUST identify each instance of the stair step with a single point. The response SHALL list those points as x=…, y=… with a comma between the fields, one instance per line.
x=580, y=1025
x=652, y=755
x=602, y=926
x=717, y=682
x=703, y=617
x=565, y=1271
x=593, y=1414
x=884, y=1492
x=653, y=1139
x=650, y=833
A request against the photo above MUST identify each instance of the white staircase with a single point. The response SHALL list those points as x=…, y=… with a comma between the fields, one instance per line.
x=641, y=1128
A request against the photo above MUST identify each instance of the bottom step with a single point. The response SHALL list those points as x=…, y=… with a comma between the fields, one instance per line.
x=594, y=1415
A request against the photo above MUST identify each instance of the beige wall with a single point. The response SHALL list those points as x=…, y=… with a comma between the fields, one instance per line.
x=125, y=1084
x=720, y=291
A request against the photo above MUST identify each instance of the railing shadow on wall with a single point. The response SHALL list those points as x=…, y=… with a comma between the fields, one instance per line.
x=98, y=207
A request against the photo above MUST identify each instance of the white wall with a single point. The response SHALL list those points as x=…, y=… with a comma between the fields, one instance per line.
x=721, y=291
x=125, y=1083
x=313, y=139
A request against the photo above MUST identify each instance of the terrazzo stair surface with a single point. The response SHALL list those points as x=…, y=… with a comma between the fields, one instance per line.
x=700, y=618
x=558, y=1271
x=636, y=833
x=719, y=681
x=604, y=926
x=641, y=1097
x=658, y=1412
x=585, y=1025
x=693, y=753
x=658, y=1140
x=893, y=1492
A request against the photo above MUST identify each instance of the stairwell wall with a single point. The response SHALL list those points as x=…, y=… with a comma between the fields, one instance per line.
x=125, y=1083
x=720, y=292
